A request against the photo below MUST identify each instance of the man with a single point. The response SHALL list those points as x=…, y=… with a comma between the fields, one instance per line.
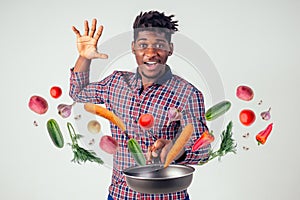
x=152, y=89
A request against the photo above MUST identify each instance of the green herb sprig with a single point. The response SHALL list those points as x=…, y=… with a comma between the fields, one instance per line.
x=227, y=145
x=81, y=155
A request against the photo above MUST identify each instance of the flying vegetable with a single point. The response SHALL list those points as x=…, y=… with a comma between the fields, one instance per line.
x=263, y=135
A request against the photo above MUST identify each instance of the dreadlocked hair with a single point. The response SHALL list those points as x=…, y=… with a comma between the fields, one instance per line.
x=155, y=21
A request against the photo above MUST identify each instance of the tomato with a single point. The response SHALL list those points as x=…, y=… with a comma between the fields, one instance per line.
x=146, y=121
x=55, y=92
x=247, y=117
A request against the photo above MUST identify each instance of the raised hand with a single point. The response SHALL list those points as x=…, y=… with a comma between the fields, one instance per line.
x=87, y=43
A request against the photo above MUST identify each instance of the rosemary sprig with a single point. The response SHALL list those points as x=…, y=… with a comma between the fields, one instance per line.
x=227, y=144
x=81, y=154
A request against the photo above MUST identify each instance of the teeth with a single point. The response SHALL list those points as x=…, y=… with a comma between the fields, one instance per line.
x=150, y=63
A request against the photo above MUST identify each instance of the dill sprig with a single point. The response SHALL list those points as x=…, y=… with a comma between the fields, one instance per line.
x=227, y=144
x=81, y=155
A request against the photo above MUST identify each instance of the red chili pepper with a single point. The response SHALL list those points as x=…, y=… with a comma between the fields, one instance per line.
x=262, y=136
x=205, y=139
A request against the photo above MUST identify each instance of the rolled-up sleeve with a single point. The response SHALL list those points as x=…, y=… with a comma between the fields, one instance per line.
x=194, y=113
x=81, y=90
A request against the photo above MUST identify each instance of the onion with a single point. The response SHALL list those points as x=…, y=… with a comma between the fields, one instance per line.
x=94, y=126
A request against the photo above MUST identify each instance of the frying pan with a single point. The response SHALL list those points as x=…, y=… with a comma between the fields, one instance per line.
x=153, y=179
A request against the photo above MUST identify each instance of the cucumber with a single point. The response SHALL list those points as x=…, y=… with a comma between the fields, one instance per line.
x=136, y=152
x=217, y=110
x=55, y=133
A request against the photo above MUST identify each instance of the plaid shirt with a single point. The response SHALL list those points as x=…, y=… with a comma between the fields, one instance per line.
x=123, y=93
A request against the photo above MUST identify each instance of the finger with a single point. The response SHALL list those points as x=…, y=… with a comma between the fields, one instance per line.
x=157, y=147
x=149, y=154
x=93, y=28
x=154, y=154
x=101, y=55
x=148, y=162
x=86, y=27
x=159, y=144
x=76, y=31
x=164, y=152
x=99, y=32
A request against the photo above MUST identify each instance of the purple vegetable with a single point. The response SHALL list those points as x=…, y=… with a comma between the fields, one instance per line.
x=174, y=115
x=65, y=110
x=38, y=104
x=266, y=115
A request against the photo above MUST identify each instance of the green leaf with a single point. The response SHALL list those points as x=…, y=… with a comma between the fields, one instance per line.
x=227, y=144
x=81, y=155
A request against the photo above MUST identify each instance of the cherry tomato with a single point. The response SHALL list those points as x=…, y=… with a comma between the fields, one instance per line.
x=247, y=117
x=146, y=121
x=55, y=92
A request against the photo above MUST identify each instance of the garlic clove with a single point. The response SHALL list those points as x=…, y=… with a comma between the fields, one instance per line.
x=266, y=115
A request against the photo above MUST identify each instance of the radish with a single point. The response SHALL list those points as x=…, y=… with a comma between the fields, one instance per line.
x=108, y=144
x=38, y=104
x=244, y=93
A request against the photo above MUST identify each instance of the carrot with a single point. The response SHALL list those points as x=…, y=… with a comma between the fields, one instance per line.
x=103, y=112
x=179, y=144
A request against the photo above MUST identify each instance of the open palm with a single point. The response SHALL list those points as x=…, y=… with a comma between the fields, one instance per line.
x=87, y=43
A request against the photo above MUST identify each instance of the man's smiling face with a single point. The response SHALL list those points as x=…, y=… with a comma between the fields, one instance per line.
x=151, y=51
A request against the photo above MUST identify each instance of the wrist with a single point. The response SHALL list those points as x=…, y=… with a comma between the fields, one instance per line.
x=82, y=64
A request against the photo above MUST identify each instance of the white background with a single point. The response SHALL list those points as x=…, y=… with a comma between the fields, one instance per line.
x=250, y=42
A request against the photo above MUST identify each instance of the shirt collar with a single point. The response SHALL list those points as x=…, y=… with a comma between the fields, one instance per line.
x=164, y=78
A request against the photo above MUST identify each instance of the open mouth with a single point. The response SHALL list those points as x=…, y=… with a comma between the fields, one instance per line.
x=151, y=65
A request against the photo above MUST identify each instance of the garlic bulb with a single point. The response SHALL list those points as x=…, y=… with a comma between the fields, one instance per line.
x=266, y=115
x=65, y=110
x=174, y=115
